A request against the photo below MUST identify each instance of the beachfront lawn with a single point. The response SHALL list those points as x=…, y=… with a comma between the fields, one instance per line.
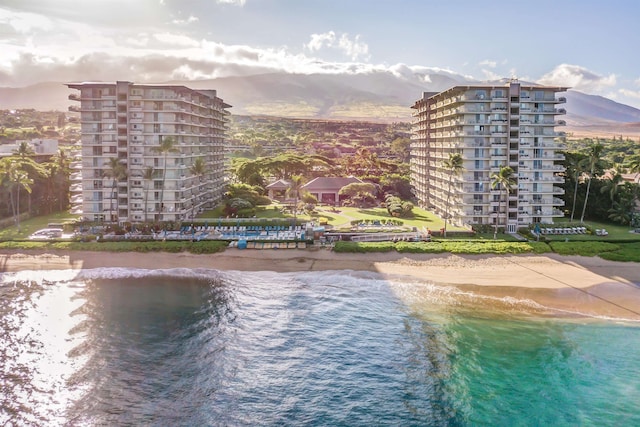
x=342, y=217
x=616, y=231
x=31, y=225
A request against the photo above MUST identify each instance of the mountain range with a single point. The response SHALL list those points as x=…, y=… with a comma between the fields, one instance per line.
x=376, y=96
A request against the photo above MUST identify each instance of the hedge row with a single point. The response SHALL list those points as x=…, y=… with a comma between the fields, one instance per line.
x=460, y=247
x=606, y=250
x=203, y=247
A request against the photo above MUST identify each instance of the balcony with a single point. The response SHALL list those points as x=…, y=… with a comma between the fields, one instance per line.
x=74, y=97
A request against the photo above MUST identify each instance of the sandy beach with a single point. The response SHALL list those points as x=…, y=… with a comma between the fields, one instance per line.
x=587, y=285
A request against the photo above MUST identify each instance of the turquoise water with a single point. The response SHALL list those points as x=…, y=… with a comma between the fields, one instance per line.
x=343, y=348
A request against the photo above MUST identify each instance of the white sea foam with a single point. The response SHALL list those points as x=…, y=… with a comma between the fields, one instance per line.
x=139, y=273
x=63, y=276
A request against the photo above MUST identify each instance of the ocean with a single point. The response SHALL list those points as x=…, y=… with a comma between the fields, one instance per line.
x=203, y=347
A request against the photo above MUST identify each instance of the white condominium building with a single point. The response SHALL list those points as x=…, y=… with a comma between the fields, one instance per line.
x=490, y=126
x=127, y=176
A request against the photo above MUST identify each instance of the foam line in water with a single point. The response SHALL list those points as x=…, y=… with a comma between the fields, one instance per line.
x=137, y=273
x=61, y=276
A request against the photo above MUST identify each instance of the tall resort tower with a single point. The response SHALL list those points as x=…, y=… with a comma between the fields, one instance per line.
x=149, y=152
x=490, y=126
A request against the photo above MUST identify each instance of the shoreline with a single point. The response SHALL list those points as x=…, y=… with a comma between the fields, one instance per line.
x=588, y=285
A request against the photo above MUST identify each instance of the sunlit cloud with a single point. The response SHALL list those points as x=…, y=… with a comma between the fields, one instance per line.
x=490, y=75
x=578, y=78
x=353, y=48
x=25, y=22
x=189, y=20
x=488, y=63
x=629, y=93
x=233, y=2
x=169, y=39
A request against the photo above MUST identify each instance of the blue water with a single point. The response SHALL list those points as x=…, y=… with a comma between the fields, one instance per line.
x=344, y=348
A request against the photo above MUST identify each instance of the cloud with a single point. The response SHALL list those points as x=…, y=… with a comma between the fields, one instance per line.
x=490, y=75
x=189, y=20
x=233, y=2
x=579, y=78
x=487, y=63
x=353, y=48
x=169, y=39
x=629, y=93
x=25, y=22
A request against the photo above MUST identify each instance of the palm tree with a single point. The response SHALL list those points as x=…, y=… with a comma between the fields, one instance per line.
x=18, y=178
x=454, y=165
x=166, y=146
x=60, y=173
x=117, y=172
x=574, y=169
x=24, y=150
x=148, y=175
x=634, y=165
x=612, y=186
x=22, y=180
x=595, y=151
x=295, y=187
x=503, y=179
x=198, y=168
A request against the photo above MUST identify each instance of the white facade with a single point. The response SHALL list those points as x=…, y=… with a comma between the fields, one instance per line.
x=45, y=147
x=490, y=126
x=129, y=121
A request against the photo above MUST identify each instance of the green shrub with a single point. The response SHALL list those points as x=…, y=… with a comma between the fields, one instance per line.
x=470, y=247
x=419, y=247
x=203, y=247
x=583, y=248
x=363, y=247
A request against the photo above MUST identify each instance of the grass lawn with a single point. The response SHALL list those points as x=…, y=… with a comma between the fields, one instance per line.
x=420, y=218
x=34, y=224
x=616, y=231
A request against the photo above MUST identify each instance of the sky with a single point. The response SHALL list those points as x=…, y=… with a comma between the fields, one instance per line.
x=588, y=45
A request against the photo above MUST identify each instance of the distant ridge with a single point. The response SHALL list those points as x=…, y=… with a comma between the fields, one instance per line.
x=377, y=96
